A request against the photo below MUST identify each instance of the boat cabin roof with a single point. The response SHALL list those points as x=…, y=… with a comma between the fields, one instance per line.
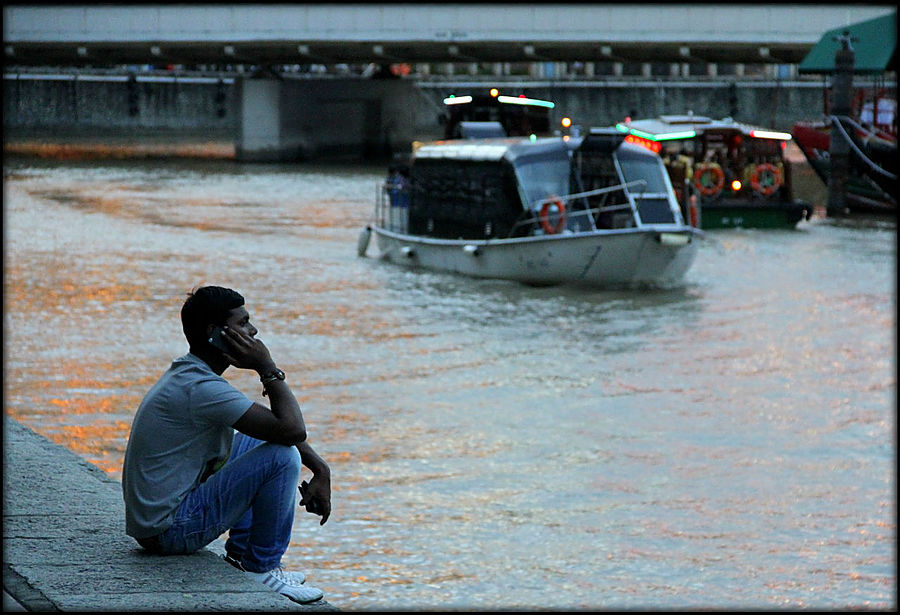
x=667, y=127
x=512, y=149
x=685, y=119
x=495, y=149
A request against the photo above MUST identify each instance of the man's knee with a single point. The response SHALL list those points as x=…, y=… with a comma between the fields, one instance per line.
x=287, y=456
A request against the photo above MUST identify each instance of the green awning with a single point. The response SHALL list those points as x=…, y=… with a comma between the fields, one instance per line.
x=873, y=44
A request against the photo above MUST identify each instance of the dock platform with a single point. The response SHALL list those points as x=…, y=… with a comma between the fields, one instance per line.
x=65, y=547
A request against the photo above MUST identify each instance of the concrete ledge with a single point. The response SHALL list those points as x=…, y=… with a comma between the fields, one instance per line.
x=65, y=548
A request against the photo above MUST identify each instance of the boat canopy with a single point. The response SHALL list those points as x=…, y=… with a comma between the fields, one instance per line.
x=874, y=43
x=676, y=127
x=599, y=140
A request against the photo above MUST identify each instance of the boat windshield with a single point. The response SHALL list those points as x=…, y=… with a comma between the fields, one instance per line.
x=647, y=169
x=542, y=177
x=652, y=196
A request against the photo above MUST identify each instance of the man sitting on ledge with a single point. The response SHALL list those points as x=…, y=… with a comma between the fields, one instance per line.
x=188, y=477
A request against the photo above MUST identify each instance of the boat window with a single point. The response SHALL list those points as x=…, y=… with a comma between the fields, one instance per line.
x=654, y=210
x=543, y=177
x=644, y=168
x=652, y=200
x=597, y=170
x=675, y=148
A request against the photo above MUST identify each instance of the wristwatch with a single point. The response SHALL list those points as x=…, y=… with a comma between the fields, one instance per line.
x=272, y=376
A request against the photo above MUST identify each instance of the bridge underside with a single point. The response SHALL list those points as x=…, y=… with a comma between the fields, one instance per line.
x=262, y=53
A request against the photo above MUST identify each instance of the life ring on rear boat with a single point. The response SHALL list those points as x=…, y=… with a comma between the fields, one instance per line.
x=766, y=179
x=709, y=179
x=552, y=229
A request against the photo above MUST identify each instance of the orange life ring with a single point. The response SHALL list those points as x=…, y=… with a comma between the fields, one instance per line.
x=709, y=179
x=545, y=217
x=766, y=179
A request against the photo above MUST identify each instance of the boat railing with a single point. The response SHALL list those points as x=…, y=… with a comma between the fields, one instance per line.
x=392, y=207
x=589, y=214
x=642, y=183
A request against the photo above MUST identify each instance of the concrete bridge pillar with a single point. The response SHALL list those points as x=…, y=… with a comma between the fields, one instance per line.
x=295, y=118
x=260, y=135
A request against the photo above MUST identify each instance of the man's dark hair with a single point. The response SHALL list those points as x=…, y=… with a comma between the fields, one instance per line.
x=204, y=306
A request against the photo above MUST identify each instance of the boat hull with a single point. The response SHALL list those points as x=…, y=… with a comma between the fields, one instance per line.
x=626, y=257
x=738, y=213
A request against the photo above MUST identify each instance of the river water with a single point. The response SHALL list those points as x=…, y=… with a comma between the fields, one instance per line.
x=730, y=443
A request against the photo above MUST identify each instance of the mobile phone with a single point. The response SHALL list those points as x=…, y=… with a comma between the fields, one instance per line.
x=216, y=340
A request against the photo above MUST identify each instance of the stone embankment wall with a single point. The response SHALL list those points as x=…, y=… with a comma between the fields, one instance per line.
x=98, y=106
x=191, y=108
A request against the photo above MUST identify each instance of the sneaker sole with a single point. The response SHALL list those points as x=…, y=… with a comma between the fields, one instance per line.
x=277, y=585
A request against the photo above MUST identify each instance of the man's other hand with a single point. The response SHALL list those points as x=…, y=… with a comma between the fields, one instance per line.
x=315, y=496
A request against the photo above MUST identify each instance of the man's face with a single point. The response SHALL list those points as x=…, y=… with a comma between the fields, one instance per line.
x=238, y=318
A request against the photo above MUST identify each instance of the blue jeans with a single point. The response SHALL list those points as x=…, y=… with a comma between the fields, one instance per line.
x=253, y=497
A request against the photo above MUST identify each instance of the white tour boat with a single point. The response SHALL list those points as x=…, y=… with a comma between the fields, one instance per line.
x=591, y=211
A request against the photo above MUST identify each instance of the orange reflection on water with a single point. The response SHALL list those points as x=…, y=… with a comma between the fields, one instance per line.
x=95, y=151
x=97, y=405
x=65, y=289
x=325, y=214
x=341, y=320
x=102, y=444
x=82, y=405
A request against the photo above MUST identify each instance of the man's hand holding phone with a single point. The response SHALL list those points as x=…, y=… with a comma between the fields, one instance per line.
x=217, y=340
x=240, y=349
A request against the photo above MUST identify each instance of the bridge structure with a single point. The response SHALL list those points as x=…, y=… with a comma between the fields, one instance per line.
x=342, y=33
x=268, y=37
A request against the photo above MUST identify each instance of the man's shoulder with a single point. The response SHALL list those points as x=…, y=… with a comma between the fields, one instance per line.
x=191, y=385
x=191, y=375
x=192, y=366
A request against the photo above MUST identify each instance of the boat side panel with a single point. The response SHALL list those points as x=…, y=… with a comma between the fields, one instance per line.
x=591, y=259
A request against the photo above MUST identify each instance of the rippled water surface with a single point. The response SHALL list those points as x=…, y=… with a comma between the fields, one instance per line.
x=730, y=443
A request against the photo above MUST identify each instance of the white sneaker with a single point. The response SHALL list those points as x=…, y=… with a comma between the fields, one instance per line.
x=297, y=578
x=286, y=584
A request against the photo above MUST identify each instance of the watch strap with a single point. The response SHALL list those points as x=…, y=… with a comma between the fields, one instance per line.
x=272, y=376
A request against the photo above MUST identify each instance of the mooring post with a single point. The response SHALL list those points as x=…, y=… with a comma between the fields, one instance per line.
x=839, y=149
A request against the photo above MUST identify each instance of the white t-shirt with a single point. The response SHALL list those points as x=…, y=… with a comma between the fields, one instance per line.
x=182, y=432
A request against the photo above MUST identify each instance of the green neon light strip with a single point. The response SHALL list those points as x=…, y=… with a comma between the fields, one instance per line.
x=457, y=100
x=526, y=101
x=686, y=134
x=666, y=136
